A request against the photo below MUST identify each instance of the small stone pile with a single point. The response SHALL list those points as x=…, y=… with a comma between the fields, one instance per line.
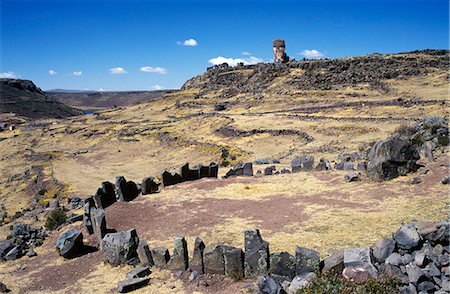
x=21, y=241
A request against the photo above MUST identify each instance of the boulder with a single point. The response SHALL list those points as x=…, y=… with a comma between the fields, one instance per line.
x=359, y=262
x=300, y=282
x=132, y=284
x=139, y=272
x=149, y=186
x=392, y=157
x=394, y=259
x=307, y=260
x=161, y=256
x=70, y=243
x=415, y=273
x=282, y=266
x=179, y=260
x=234, y=263
x=196, y=263
x=144, y=254
x=351, y=177
x=257, y=256
x=120, y=247
x=334, y=263
x=268, y=285
x=268, y=171
x=407, y=237
x=382, y=249
x=213, y=260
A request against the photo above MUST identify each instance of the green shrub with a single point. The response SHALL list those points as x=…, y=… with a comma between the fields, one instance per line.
x=334, y=284
x=54, y=219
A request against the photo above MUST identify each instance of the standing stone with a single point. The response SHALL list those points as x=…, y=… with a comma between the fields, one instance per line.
x=121, y=188
x=296, y=164
x=170, y=179
x=161, y=256
x=282, y=266
x=88, y=205
x=407, y=237
x=179, y=260
x=70, y=243
x=307, y=260
x=248, y=169
x=188, y=174
x=268, y=171
x=120, y=247
x=144, y=254
x=382, y=249
x=234, y=263
x=196, y=263
x=323, y=165
x=213, y=170
x=149, y=186
x=302, y=163
x=98, y=218
x=133, y=191
x=204, y=171
x=109, y=194
x=257, y=256
x=359, y=259
x=213, y=260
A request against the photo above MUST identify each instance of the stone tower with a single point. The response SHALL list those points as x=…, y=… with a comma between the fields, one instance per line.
x=279, y=51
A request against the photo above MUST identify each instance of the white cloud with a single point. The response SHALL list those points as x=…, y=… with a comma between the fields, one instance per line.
x=101, y=90
x=151, y=69
x=188, y=42
x=246, y=53
x=9, y=75
x=312, y=54
x=235, y=61
x=77, y=73
x=157, y=87
x=117, y=70
x=52, y=72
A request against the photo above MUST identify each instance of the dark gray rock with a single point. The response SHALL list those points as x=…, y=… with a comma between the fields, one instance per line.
x=415, y=181
x=75, y=218
x=334, y=263
x=120, y=247
x=262, y=161
x=5, y=247
x=268, y=171
x=70, y=243
x=121, y=189
x=407, y=258
x=257, y=256
x=196, y=263
x=88, y=205
x=394, y=259
x=323, y=165
x=31, y=253
x=285, y=171
x=426, y=286
x=302, y=163
x=345, y=165
x=149, y=186
x=193, y=276
x=179, y=260
x=213, y=260
x=359, y=258
x=351, y=177
x=139, y=272
x=389, y=270
x=382, y=249
x=248, y=169
x=392, y=157
x=169, y=179
x=161, y=256
x=98, y=218
x=307, y=260
x=415, y=274
x=268, y=285
x=234, y=263
x=132, y=284
x=282, y=266
x=445, y=180
x=204, y=171
x=407, y=237
x=15, y=253
x=3, y=288
x=188, y=174
x=144, y=254
x=105, y=196
x=213, y=170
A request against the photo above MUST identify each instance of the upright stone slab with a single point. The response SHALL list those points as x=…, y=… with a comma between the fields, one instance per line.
x=234, y=263
x=248, y=169
x=196, y=263
x=98, y=218
x=213, y=260
x=88, y=205
x=296, y=164
x=170, y=179
x=282, y=266
x=307, y=260
x=204, y=171
x=149, y=186
x=121, y=188
x=144, y=254
x=306, y=162
x=120, y=247
x=161, y=256
x=179, y=260
x=188, y=174
x=256, y=254
x=213, y=170
x=105, y=195
x=132, y=190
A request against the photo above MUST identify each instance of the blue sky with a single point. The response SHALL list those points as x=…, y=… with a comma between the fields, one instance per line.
x=143, y=45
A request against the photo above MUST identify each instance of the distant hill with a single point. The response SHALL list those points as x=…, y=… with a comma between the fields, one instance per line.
x=23, y=98
x=104, y=99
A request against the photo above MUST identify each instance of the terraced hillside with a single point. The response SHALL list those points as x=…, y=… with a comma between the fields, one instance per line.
x=330, y=109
